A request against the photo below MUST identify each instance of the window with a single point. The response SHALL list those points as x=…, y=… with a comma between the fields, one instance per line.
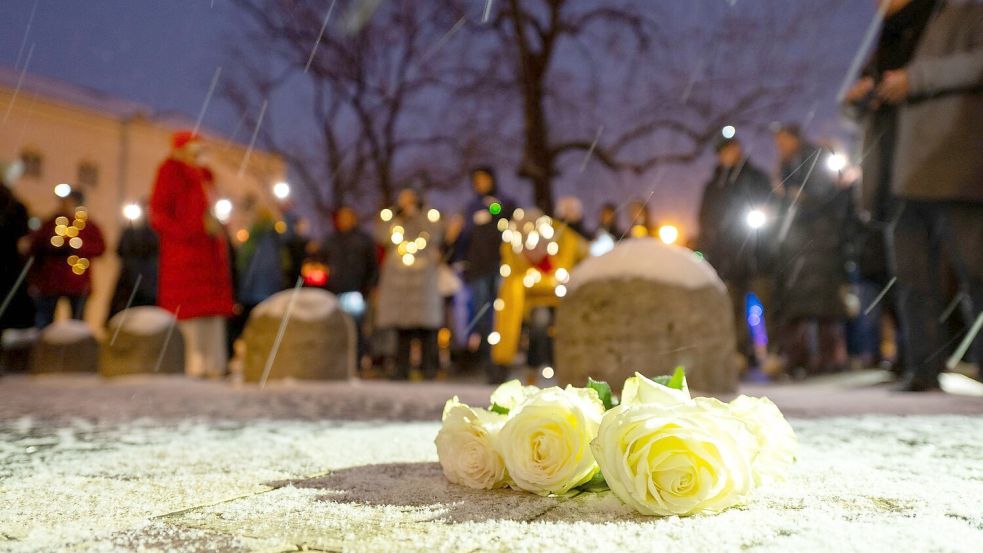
x=32, y=163
x=88, y=174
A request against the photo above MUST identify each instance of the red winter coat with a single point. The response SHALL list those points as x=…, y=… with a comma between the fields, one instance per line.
x=195, y=278
x=51, y=275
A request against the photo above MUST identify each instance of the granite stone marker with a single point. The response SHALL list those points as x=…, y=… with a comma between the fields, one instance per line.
x=318, y=343
x=141, y=343
x=646, y=307
x=66, y=346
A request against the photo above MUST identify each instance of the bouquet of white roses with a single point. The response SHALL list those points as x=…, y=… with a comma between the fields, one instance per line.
x=659, y=450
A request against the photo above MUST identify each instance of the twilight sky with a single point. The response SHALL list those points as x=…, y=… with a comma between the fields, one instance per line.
x=163, y=54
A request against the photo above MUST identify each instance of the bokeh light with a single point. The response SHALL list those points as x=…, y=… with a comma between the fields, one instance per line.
x=63, y=190
x=281, y=190
x=668, y=234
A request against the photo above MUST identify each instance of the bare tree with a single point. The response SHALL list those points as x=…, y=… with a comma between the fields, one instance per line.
x=371, y=85
x=634, y=84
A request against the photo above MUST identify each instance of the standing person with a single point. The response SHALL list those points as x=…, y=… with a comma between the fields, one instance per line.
x=477, y=250
x=640, y=223
x=138, y=251
x=63, y=249
x=409, y=300
x=811, y=256
x=18, y=312
x=937, y=183
x=735, y=235
x=349, y=254
x=902, y=29
x=607, y=222
x=195, y=281
x=261, y=262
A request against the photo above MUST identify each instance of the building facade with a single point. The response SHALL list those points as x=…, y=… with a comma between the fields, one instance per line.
x=110, y=149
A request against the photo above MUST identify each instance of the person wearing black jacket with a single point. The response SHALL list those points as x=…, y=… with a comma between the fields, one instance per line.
x=736, y=221
x=353, y=267
x=16, y=308
x=476, y=251
x=138, y=252
x=813, y=246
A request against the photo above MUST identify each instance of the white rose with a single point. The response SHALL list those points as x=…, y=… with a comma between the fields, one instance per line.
x=512, y=393
x=681, y=459
x=776, y=442
x=546, y=442
x=638, y=390
x=467, y=446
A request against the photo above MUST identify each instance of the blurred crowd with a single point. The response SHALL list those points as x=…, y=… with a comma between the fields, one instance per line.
x=828, y=267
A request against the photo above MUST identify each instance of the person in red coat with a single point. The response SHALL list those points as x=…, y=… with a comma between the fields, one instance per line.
x=63, y=249
x=195, y=282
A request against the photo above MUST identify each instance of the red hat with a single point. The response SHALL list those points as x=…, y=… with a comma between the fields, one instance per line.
x=181, y=138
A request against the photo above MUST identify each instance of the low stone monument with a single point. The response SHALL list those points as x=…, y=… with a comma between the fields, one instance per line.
x=16, y=349
x=646, y=307
x=66, y=346
x=142, y=340
x=318, y=342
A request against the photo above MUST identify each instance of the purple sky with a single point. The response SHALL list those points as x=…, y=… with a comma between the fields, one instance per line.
x=163, y=53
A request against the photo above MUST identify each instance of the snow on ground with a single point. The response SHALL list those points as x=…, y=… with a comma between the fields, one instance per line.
x=171, y=464
x=650, y=259
x=870, y=483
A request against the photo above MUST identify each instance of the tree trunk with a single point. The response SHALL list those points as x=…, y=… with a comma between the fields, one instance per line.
x=537, y=161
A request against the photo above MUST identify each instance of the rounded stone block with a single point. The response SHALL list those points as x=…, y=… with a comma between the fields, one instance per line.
x=318, y=342
x=649, y=308
x=66, y=346
x=142, y=340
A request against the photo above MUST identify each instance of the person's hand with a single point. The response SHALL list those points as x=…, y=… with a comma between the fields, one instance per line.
x=212, y=225
x=894, y=86
x=859, y=91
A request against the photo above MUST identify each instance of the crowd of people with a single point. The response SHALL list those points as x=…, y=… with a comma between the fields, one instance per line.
x=825, y=270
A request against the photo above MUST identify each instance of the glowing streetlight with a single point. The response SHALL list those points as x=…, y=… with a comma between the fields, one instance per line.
x=63, y=190
x=728, y=131
x=132, y=212
x=281, y=190
x=756, y=219
x=668, y=234
x=836, y=162
x=223, y=209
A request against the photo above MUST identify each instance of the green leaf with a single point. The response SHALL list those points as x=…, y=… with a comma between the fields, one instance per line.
x=603, y=390
x=678, y=380
x=595, y=484
x=675, y=381
x=496, y=408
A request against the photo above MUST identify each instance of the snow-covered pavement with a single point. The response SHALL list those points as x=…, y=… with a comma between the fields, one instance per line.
x=167, y=464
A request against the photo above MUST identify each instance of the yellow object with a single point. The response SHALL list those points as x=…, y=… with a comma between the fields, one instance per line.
x=527, y=286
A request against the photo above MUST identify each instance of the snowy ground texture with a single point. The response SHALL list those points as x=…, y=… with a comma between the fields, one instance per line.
x=112, y=482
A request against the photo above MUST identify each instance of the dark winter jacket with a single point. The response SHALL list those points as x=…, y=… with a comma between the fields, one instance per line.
x=138, y=252
x=261, y=264
x=940, y=125
x=900, y=35
x=13, y=226
x=813, y=240
x=351, y=260
x=480, y=240
x=734, y=249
